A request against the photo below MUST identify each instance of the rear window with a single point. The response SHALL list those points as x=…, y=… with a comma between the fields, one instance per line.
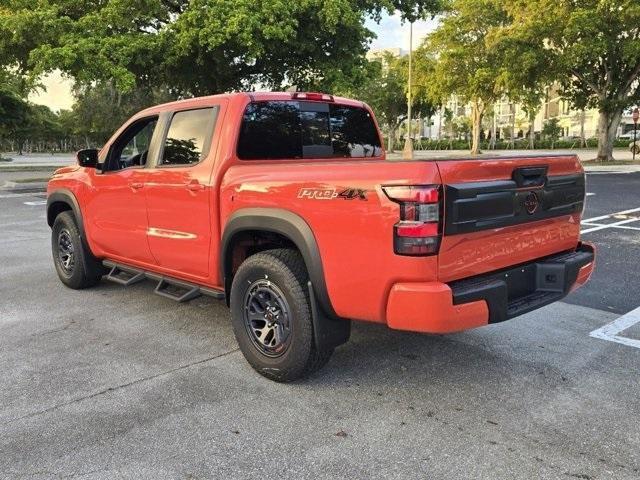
x=188, y=137
x=289, y=130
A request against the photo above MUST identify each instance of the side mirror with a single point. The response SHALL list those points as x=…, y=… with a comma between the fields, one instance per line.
x=87, y=158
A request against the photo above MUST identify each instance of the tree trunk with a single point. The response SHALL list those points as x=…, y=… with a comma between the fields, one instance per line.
x=440, y=123
x=532, y=133
x=607, y=128
x=477, y=109
x=392, y=132
x=583, y=140
x=512, y=110
x=492, y=145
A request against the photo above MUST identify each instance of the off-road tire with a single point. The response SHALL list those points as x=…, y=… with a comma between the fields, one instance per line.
x=86, y=270
x=285, y=269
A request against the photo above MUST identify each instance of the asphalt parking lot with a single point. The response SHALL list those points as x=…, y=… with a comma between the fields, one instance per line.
x=114, y=382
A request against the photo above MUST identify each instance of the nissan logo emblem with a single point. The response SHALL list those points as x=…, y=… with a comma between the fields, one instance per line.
x=531, y=203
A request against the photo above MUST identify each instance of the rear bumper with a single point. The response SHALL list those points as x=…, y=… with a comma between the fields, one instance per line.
x=436, y=307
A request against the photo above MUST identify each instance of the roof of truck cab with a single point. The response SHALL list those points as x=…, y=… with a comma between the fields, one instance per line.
x=250, y=96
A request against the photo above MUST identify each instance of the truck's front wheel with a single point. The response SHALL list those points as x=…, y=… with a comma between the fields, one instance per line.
x=271, y=316
x=74, y=263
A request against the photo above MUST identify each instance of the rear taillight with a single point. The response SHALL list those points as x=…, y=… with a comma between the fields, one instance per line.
x=418, y=231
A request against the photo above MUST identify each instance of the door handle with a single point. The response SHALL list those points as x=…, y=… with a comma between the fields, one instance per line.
x=195, y=186
x=136, y=185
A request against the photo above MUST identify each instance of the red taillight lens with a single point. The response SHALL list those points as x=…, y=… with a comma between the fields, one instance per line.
x=418, y=231
x=411, y=193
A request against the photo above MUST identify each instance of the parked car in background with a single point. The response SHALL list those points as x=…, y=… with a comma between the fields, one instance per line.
x=629, y=135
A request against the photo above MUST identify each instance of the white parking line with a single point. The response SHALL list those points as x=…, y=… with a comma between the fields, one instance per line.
x=18, y=195
x=602, y=217
x=611, y=331
x=594, y=226
x=39, y=202
x=610, y=225
x=627, y=227
x=610, y=172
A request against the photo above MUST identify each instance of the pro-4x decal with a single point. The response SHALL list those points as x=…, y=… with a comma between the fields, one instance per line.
x=331, y=193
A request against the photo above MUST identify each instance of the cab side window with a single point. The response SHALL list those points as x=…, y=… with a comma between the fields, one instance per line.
x=189, y=137
x=131, y=149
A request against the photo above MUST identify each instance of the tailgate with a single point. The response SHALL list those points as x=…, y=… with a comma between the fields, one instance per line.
x=502, y=212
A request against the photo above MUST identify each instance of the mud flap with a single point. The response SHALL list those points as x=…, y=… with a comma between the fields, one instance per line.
x=328, y=332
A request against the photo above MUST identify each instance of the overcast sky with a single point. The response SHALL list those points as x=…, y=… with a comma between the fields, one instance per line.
x=391, y=33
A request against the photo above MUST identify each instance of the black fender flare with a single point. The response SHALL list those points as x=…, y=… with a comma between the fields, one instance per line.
x=65, y=196
x=291, y=226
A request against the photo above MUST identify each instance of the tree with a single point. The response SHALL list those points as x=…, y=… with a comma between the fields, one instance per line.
x=423, y=103
x=552, y=130
x=449, y=126
x=466, y=66
x=462, y=126
x=194, y=47
x=384, y=91
x=412, y=10
x=593, y=46
x=525, y=66
x=100, y=109
x=14, y=115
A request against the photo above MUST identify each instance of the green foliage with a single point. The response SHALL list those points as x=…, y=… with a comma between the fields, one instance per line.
x=462, y=127
x=422, y=103
x=551, y=128
x=100, y=109
x=20, y=120
x=195, y=47
x=466, y=65
x=384, y=91
x=412, y=10
x=14, y=112
x=461, y=144
x=593, y=49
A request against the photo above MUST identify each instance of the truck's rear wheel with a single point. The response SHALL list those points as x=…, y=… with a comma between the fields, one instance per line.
x=271, y=316
x=74, y=263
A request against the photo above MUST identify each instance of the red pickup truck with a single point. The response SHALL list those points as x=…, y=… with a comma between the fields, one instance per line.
x=284, y=205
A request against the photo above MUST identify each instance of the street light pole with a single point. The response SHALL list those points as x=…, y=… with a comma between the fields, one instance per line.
x=635, y=115
x=407, y=152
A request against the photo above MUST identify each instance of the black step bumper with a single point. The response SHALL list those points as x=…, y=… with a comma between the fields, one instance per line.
x=520, y=289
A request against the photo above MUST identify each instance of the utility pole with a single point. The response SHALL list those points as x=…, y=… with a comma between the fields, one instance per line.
x=407, y=152
x=635, y=115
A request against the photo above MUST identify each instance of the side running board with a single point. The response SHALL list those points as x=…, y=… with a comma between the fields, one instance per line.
x=167, y=287
x=178, y=292
x=124, y=276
